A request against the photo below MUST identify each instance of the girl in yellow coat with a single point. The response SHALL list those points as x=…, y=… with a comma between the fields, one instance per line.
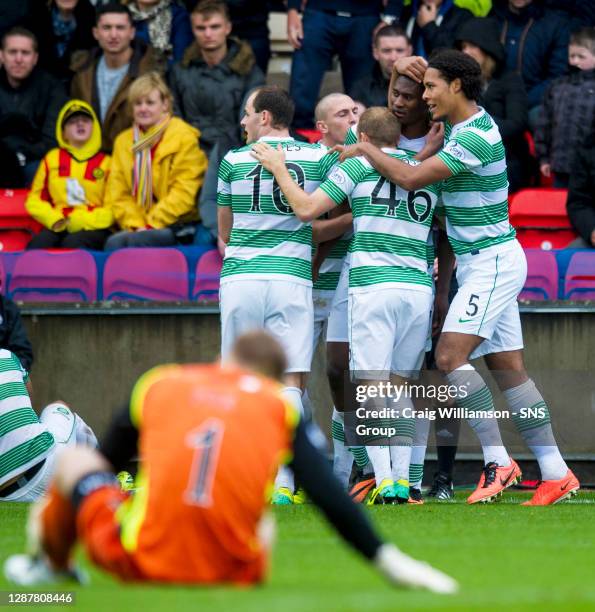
x=68, y=189
x=157, y=170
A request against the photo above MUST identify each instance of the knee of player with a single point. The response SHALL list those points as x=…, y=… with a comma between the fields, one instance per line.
x=446, y=361
x=76, y=462
x=336, y=374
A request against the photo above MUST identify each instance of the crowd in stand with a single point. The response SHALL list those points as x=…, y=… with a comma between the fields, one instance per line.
x=117, y=115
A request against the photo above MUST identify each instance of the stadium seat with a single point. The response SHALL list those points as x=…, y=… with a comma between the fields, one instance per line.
x=206, y=281
x=539, y=216
x=54, y=276
x=311, y=135
x=580, y=277
x=542, y=276
x=142, y=274
x=17, y=227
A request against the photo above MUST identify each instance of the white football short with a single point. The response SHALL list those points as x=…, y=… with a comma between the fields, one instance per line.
x=388, y=329
x=322, y=300
x=338, y=328
x=68, y=429
x=486, y=303
x=283, y=308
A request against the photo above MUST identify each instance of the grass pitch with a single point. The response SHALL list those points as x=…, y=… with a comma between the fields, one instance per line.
x=505, y=556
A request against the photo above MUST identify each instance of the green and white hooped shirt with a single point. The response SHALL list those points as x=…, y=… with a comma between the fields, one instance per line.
x=475, y=197
x=267, y=240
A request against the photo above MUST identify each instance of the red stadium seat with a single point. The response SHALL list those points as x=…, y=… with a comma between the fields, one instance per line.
x=580, y=277
x=539, y=216
x=208, y=272
x=54, y=276
x=542, y=276
x=17, y=227
x=143, y=274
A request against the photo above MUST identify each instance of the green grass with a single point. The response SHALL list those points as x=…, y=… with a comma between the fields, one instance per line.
x=506, y=557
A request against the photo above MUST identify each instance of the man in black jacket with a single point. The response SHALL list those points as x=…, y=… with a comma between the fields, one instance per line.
x=390, y=43
x=581, y=193
x=536, y=42
x=30, y=100
x=433, y=24
x=504, y=95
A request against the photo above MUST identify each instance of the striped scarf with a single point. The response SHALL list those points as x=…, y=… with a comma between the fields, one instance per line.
x=142, y=187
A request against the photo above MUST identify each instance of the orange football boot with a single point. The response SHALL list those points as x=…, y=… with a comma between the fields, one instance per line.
x=553, y=491
x=494, y=479
x=360, y=489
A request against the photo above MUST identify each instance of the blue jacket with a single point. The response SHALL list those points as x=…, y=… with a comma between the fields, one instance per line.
x=536, y=43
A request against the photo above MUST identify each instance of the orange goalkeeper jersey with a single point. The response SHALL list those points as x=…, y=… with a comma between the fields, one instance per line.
x=210, y=441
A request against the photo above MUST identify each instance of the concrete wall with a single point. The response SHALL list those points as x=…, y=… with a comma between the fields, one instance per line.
x=91, y=356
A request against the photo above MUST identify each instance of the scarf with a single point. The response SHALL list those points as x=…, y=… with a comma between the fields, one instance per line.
x=142, y=178
x=159, y=24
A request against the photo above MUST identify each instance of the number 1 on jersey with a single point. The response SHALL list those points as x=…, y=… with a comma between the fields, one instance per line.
x=206, y=443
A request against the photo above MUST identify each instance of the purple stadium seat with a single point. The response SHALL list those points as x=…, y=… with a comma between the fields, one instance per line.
x=54, y=276
x=542, y=276
x=159, y=274
x=208, y=271
x=580, y=277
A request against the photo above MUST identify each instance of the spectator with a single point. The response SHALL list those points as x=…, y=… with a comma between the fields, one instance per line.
x=13, y=336
x=330, y=27
x=504, y=96
x=217, y=73
x=433, y=24
x=479, y=8
x=390, y=43
x=582, y=12
x=30, y=100
x=71, y=29
x=250, y=20
x=68, y=189
x=165, y=25
x=103, y=76
x=536, y=41
x=33, y=16
x=157, y=170
x=581, y=192
x=568, y=106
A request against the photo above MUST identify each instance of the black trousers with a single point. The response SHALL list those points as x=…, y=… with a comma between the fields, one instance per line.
x=91, y=239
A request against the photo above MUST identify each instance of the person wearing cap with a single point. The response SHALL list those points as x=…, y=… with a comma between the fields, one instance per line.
x=67, y=193
x=504, y=95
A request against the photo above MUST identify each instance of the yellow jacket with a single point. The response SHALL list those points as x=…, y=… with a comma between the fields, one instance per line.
x=70, y=183
x=178, y=166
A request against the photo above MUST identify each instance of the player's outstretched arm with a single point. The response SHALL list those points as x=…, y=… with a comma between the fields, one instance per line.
x=306, y=207
x=314, y=473
x=409, y=177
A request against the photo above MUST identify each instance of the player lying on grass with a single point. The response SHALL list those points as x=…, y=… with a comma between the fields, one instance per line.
x=390, y=289
x=211, y=438
x=483, y=319
x=30, y=444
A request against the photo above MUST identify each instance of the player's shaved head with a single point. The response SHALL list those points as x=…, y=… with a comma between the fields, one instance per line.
x=260, y=352
x=330, y=102
x=380, y=126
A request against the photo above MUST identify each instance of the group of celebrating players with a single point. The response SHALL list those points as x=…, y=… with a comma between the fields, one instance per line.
x=385, y=178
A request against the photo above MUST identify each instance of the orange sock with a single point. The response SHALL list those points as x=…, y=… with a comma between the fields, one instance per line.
x=58, y=528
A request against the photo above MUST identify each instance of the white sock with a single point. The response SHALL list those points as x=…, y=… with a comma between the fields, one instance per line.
x=400, y=457
x=477, y=396
x=418, y=452
x=342, y=457
x=380, y=459
x=532, y=418
x=285, y=476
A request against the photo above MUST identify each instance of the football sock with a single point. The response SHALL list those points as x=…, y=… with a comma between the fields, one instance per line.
x=361, y=456
x=380, y=458
x=342, y=458
x=447, y=440
x=285, y=476
x=534, y=424
x=418, y=452
x=58, y=527
x=400, y=443
x=475, y=397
